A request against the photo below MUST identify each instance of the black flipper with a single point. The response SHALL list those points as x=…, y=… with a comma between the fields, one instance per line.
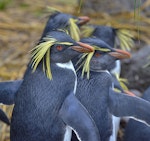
x=121, y=104
x=75, y=115
x=8, y=90
x=4, y=118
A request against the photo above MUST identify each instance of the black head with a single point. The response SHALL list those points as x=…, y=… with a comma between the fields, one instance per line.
x=104, y=55
x=120, y=38
x=60, y=20
x=57, y=47
x=105, y=33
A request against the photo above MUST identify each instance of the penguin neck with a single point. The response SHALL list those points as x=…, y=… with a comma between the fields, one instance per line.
x=69, y=66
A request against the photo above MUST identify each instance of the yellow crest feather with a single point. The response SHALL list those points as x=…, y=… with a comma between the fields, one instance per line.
x=122, y=82
x=74, y=29
x=125, y=39
x=38, y=53
x=87, y=31
x=42, y=52
x=87, y=58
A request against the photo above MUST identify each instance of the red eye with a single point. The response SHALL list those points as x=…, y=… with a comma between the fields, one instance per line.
x=59, y=48
x=97, y=54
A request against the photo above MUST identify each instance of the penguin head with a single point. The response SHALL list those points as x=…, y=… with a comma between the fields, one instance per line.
x=57, y=47
x=64, y=21
x=65, y=48
x=103, y=56
x=105, y=33
x=115, y=37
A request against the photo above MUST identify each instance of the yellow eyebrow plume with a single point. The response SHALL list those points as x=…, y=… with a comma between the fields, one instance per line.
x=87, y=58
x=42, y=52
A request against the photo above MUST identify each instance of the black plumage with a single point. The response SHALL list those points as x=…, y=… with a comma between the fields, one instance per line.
x=97, y=96
x=45, y=108
x=57, y=20
x=135, y=130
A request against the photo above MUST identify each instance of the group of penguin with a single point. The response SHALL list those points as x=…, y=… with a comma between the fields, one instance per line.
x=69, y=91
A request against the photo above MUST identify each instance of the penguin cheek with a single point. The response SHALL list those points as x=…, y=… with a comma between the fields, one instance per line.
x=95, y=64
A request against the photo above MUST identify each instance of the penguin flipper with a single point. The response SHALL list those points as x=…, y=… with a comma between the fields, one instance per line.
x=121, y=104
x=8, y=90
x=4, y=118
x=75, y=116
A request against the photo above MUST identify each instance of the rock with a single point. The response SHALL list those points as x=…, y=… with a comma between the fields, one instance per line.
x=134, y=71
x=109, y=6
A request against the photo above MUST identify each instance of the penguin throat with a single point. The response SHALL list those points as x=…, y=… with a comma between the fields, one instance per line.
x=70, y=66
x=67, y=65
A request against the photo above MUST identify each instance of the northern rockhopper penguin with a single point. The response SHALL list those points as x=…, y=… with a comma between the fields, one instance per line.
x=116, y=38
x=96, y=93
x=56, y=21
x=135, y=130
x=46, y=108
x=59, y=21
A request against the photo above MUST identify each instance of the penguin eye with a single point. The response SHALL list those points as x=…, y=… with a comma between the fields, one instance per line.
x=97, y=54
x=59, y=48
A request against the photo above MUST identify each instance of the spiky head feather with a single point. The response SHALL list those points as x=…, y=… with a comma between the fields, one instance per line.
x=125, y=38
x=122, y=82
x=74, y=29
x=42, y=53
x=87, y=31
x=86, y=58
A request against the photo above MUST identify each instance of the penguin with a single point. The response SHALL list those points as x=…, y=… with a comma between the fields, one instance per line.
x=46, y=108
x=114, y=37
x=97, y=95
x=137, y=131
x=110, y=35
x=67, y=22
x=57, y=20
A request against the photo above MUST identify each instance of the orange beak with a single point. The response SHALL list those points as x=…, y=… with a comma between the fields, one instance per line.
x=129, y=93
x=83, y=20
x=85, y=48
x=120, y=54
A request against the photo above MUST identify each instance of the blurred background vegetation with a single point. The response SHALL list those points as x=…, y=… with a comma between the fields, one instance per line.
x=22, y=22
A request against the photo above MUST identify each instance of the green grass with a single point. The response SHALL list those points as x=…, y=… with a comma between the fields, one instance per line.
x=4, y=4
